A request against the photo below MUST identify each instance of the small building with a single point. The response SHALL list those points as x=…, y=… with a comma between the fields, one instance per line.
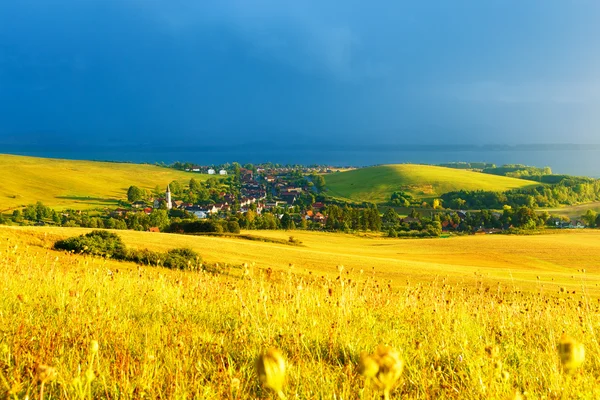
x=138, y=204
x=211, y=171
x=222, y=172
x=319, y=217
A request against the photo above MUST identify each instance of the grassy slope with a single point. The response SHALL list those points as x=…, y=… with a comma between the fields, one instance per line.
x=376, y=184
x=77, y=184
x=519, y=260
x=178, y=334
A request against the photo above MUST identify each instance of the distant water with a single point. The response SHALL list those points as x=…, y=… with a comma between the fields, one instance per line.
x=574, y=160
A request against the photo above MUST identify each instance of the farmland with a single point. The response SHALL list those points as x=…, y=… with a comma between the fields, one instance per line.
x=376, y=184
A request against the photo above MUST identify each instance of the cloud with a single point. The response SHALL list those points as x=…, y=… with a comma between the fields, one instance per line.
x=303, y=36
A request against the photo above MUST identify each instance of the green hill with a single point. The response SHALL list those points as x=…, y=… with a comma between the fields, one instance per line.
x=376, y=184
x=76, y=184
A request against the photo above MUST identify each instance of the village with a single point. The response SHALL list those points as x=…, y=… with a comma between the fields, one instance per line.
x=283, y=190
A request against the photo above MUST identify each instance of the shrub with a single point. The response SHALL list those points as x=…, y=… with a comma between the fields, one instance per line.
x=145, y=256
x=181, y=258
x=294, y=240
x=104, y=243
x=100, y=243
x=233, y=227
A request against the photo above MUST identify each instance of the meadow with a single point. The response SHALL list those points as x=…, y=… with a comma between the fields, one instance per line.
x=376, y=184
x=77, y=184
x=467, y=325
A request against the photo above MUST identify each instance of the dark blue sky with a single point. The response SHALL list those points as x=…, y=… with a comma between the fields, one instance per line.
x=418, y=72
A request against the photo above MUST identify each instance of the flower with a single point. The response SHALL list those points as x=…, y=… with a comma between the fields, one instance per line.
x=384, y=368
x=270, y=367
x=571, y=352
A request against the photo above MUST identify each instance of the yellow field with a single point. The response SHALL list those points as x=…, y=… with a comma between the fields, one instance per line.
x=376, y=184
x=555, y=258
x=78, y=327
x=76, y=184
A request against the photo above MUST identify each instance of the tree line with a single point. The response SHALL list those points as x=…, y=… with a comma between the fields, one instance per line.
x=568, y=191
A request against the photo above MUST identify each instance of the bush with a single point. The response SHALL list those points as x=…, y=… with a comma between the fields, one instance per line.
x=99, y=243
x=145, y=256
x=294, y=240
x=181, y=258
x=233, y=227
x=104, y=243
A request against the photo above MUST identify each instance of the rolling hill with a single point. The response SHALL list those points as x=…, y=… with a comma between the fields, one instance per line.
x=511, y=259
x=76, y=184
x=376, y=184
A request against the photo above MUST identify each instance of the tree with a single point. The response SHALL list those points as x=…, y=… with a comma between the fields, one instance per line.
x=195, y=186
x=525, y=217
x=236, y=169
x=134, y=194
x=390, y=216
x=160, y=219
x=176, y=187
x=319, y=181
x=287, y=222
x=590, y=218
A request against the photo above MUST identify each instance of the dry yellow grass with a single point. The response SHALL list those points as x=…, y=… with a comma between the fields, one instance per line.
x=555, y=258
x=78, y=327
x=76, y=184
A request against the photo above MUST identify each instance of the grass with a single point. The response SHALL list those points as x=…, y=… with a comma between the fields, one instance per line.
x=509, y=259
x=74, y=184
x=376, y=184
x=576, y=211
x=181, y=334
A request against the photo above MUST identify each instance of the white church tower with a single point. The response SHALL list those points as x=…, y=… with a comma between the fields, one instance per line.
x=168, y=198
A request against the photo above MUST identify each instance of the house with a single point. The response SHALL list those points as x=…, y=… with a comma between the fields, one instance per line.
x=148, y=210
x=289, y=198
x=318, y=205
x=119, y=212
x=462, y=214
x=153, y=229
x=222, y=172
x=156, y=203
x=138, y=204
x=273, y=204
x=195, y=168
x=291, y=189
x=449, y=225
x=199, y=212
x=319, y=217
x=246, y=175
x=211, y=171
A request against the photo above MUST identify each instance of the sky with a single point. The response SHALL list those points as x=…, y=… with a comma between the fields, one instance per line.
x=287, y=72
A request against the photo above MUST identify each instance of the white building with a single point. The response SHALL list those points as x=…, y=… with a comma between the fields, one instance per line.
x=211, y=171
x=222, y=172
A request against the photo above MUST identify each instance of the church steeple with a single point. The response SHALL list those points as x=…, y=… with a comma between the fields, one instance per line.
x=168, y=198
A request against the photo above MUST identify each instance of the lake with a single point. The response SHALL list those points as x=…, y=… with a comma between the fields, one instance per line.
x=573, y=160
